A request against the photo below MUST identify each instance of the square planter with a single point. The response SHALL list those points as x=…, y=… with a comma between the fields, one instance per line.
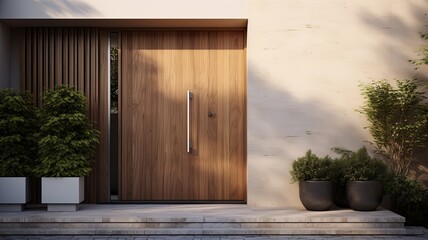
x=62, y=193
x=14, y=193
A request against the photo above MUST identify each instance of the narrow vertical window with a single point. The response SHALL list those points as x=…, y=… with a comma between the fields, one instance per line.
x=114, y=93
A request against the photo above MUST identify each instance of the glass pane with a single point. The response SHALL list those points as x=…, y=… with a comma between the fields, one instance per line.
x=114, y=94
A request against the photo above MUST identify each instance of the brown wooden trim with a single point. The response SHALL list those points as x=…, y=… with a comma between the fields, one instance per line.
x=39, y=64
x=104, y=163
x=245, y=62
x=45, y=59
x=175, y=29
x=27, y=61
x=119, y=104
x=34, y=64
x=21, y=37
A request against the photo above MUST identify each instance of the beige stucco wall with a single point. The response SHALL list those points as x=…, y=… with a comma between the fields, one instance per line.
x=306, y=59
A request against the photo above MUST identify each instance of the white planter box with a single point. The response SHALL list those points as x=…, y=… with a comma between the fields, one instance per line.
x=14, y=192
x=62, y=194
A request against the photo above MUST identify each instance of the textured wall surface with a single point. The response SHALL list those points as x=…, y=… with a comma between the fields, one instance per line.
x=306, y=59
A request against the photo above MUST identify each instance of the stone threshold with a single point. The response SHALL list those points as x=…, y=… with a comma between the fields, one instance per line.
x=201, y=219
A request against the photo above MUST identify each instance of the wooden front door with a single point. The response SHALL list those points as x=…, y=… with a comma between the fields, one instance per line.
x=158, y=68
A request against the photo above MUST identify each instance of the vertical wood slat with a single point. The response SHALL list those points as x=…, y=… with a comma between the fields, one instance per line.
x=27, y=60
x=119, y=103
x=80, y=60
x=22, y=52
x=46, y=58
x=101, y=112
x=34, y=65
x=58, y=56
x=69, y=56
x=87, y=56
x=103, y=167
x=126, y=129
x=65, y=59
x=39, y=65
x=51, y=58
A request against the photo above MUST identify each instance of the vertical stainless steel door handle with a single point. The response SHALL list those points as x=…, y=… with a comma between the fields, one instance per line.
x=189, y=143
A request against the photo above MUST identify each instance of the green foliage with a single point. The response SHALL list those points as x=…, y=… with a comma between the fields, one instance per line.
x=422, y=54
x=114, y=88
x=18, y=125
x=398, y=119
x=311, y=168
x=409, y=199
x=67, y=138
x=358, y=166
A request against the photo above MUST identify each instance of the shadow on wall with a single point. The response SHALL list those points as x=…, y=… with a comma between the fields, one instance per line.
x=280, y=126
x=403, y=29
x=48, y=9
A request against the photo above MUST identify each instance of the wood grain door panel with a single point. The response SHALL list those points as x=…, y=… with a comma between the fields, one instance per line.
x=157, y=69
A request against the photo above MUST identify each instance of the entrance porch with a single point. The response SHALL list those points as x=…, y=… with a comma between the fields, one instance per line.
x=201, y=219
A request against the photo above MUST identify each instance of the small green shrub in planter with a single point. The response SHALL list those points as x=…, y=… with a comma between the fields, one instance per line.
x=66, y=147
x=18, y=147
x=18, y=128
x=315, y=186
x=311, y=168
x=67, y=138
x=364, y=176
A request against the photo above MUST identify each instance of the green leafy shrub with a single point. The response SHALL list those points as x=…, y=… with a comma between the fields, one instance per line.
x=67, y=138
x=339, y=166
x=311, y=168
x=422, y=54
x=398, y=119
x=358, y=166
x=18, y=125
x=409, y=199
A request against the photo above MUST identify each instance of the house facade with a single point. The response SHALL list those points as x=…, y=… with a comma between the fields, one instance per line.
x=211, y=101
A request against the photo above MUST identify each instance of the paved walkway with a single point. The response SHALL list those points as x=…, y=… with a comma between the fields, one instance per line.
x=425, y=237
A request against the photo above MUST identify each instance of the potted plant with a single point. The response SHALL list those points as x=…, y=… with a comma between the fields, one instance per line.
x=364, y=176
x=66, y=147
x=18, y=144
x=314, y=177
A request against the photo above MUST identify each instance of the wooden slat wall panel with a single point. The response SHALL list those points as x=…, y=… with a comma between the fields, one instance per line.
x=70, y=56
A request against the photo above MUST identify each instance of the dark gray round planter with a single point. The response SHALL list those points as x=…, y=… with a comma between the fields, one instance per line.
x=316, y=195
x=364, y=195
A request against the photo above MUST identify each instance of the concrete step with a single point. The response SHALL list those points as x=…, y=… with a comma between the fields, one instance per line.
x=202, y=225
x=202, y=231
x=201, y=219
